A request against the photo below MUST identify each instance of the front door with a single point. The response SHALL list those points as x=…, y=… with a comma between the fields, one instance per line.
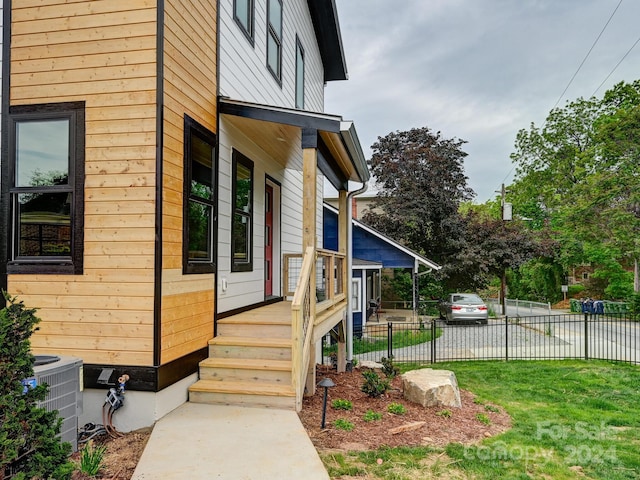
x=268, y=240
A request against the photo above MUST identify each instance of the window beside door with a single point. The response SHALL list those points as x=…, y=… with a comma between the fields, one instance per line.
x=242, y=225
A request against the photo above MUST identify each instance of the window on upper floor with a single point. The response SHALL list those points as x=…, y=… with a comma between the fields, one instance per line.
x=274, y=38
x=46, y=188
x=299, y=74
x=242, y=226
x=243, y=14
x=199, y=192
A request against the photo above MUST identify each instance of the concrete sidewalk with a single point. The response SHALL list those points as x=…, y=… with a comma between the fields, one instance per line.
x=198, y=441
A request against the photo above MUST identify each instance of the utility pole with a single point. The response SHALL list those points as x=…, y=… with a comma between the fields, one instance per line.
x=505, y=210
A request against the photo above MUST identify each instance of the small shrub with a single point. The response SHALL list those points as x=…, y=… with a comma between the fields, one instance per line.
x=371, y=416
x=373, y=385
x=388, y=368
x=91, y=459
x=342, y=404
x=396, y=409
x=343, y=424
x=446, y=413
x=27, y=432
x=482, y=418
x=491, y=408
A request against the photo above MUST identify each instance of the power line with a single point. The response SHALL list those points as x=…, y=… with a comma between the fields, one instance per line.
x=617, y=65
x=587, y=55
x=580, y=67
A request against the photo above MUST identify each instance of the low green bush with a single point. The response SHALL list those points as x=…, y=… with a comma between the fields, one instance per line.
x=341, y=404
x=371, y=416
x=342, y=424
x=396, y=409
x=373, y=385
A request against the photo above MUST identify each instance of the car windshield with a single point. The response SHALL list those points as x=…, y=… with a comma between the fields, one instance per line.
x=467, y=299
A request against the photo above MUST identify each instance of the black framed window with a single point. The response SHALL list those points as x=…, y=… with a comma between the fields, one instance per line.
x=243, y=14
x=200, y=198
x=46, y=188
x=242, y=225
x=274, y=38
x=299, y=74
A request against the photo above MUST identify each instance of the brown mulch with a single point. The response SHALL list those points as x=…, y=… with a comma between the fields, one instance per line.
x=462, y=426
x=121, y=456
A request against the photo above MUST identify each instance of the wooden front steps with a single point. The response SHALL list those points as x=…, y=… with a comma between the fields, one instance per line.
x=249, y=361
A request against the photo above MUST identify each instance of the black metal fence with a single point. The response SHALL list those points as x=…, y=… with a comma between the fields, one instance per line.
x=570, y=336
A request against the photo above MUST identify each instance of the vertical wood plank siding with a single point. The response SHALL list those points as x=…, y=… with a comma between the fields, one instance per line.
x=102, y=52
x=189, y=88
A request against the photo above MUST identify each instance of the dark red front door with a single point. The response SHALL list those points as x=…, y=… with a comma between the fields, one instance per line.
x=268, y=240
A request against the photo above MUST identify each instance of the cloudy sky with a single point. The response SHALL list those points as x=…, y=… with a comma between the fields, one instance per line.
x=478, y=70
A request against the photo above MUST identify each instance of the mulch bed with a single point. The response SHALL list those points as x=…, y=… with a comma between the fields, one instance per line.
x=462, y=426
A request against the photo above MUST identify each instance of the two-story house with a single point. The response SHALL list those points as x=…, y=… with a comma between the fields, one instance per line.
x=162, y=164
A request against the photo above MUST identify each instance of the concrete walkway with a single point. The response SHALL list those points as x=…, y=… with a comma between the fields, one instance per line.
x=198, y=441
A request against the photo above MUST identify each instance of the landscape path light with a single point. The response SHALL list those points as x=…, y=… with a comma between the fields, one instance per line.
x=326, y=383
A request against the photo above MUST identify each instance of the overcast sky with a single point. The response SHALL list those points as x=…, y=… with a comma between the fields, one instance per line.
x=477, y=70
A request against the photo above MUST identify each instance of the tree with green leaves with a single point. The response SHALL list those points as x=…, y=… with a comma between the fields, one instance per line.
x=579, y=174
x=28, y=433
x=421, y=183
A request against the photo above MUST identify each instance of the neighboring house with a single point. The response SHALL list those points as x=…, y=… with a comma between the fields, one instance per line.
x=372, y=251
x=360, y=204
x=161, y=177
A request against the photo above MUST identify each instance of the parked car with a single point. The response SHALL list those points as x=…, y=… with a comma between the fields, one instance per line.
x=463, y=307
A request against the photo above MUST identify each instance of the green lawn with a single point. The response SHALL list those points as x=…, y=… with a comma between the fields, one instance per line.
x=571, y=420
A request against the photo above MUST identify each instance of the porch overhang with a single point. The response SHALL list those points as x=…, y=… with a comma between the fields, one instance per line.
x=277, y=130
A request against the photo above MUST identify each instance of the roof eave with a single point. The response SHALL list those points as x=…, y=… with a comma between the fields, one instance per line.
x=324, y=16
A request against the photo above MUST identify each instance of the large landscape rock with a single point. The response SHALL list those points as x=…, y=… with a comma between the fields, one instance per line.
x=430, y=388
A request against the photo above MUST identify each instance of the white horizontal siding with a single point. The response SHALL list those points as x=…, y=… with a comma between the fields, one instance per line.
x=243, y=68
x=247, y=288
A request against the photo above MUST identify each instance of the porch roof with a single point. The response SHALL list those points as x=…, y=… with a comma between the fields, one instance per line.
x=360, y=264
x=277, y=129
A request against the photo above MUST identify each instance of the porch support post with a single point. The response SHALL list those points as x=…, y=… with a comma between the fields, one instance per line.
x=309, y=210
x=309, y=187
x=343, y=219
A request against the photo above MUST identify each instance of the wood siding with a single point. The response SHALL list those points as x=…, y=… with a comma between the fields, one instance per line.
x=102, y=52
x=243, y=66
x=189, y=88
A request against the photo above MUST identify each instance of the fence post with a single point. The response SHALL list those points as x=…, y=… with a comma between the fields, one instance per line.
x=389, y=340
x=586, y=336
x=433, y=340
x=506, y=338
